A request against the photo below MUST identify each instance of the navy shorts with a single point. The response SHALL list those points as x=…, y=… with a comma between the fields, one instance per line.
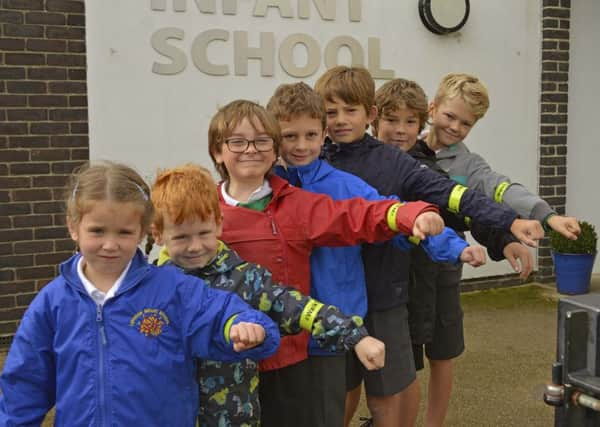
x=391, y=327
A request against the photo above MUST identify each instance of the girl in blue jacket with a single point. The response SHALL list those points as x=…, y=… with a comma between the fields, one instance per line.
x=112, y=340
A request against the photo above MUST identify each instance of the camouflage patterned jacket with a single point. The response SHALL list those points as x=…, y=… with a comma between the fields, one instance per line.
x=228, y=391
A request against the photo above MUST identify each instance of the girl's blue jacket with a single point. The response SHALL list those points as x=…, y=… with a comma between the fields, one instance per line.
x=129, y=362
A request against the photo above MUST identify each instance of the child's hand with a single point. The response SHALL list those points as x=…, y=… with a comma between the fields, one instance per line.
x=565, y=225
x=245, y=335
x=427, y=224
x=371, y=353
x=516, y=252
x=473, y=255
x=527, y=231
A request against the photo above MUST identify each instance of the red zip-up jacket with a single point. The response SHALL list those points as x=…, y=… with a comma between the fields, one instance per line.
x=281, y=238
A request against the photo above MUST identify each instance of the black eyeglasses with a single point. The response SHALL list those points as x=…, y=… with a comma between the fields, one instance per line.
x=240, y=145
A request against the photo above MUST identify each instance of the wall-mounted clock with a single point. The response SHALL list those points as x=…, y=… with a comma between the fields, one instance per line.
x=444, y=16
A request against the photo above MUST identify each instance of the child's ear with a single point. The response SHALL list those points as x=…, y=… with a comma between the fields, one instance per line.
x=72, y=229
x=157, y=235
x=372, y=114
x=431, y=109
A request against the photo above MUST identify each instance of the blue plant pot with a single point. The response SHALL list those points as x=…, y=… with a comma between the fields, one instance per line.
x=573, y=272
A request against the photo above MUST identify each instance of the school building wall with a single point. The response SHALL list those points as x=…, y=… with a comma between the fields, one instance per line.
x=519, y=49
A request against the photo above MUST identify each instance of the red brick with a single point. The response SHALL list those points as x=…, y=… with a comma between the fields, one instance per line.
x=21, y=30
x=50, y=233
x=53, y=258
x=7, y=302
x=65, y=6
x=33, y=220
x=27, y=115
x=14, y=155
x=8, y=328
x=49, y=128
x=5, y=222
x=17, y=287
x=29, y=168
x=12, y=261
x=11, y=17
x=34, y=247
x=24, y=299
x=32, y=195
x=15, y=182
x=49, y=155
x=78, y=101
x=13, y=128
x=69, y=141
x=15, y=209
x=76, y=20
x=65, y=167
x=11, y=314
x=48, y=207
x=6, y=248
x=12, y=73
x=16, y=235
x=79, y=128
x=12, y=44
x=83, y=154
x=69, y=115
x=77, y=74
x=47, y=73
x=29, y=141
x=65, y=33
x=45, y=18
x=26, y=87
x=13, y=100
x=66, y=60
x=64, y=245
x=68, y=87
x=24, y=4
x=34, y=273
x=46, y=45
x=48, y=100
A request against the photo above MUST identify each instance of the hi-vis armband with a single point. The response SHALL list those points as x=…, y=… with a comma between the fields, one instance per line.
x=392, y=213
x=454, y=199
x=500, y=190
x=227, y=329
x=307, y=318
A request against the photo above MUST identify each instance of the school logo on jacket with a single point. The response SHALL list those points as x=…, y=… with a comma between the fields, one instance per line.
x=150, y=321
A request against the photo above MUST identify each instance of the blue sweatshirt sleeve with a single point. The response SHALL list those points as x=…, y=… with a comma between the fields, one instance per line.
x=444, y=247
x=28, y=380
x=208, y=316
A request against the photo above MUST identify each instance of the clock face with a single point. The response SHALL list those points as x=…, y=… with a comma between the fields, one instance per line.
x=444, y=16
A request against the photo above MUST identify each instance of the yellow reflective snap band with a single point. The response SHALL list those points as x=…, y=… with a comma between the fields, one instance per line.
x=455, y=196
x=468, y=221
x=414, y=240
x=163, y=256
x=500, y=190
x=227, y=329
x=392, y=213
x=309, y=314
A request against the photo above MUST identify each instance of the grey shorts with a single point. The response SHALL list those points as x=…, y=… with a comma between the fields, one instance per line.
x=391, y=327
x=446, y=338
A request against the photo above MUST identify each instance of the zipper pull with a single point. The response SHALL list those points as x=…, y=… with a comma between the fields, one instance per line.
x=100, y=321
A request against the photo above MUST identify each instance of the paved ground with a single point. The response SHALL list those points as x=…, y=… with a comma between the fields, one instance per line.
x=510, y=338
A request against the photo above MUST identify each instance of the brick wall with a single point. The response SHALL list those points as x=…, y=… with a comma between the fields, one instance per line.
x=553, y=116
x=43, y=137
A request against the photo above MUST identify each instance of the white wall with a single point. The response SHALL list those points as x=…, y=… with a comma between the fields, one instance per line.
x=150, y=120
x=583, y=173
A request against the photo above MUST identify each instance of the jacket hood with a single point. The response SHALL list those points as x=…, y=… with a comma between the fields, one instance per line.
x=226, y=259
x=138, y=269
x=330, y=148
x=300, y=176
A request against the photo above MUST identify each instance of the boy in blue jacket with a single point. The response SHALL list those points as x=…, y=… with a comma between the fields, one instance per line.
x=113, y=340
x=349, y=101
x=337, y=275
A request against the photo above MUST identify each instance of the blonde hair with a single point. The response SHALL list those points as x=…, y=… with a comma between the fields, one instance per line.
x=228, y=117
x=400, y=94
x=293, y=100
x=185, y=192
x=353, y=85
x=107, y=181
x=469, y=88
